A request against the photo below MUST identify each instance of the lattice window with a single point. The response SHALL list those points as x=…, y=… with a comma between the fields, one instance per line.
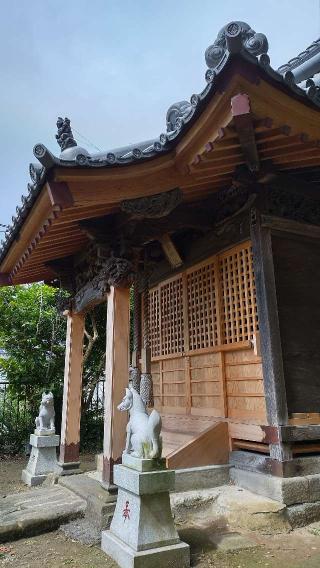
x=171, y=307
x=239, y=306
x=202, y=311
x=154, y=314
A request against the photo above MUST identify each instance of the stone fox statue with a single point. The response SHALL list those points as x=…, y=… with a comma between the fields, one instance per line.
x=143, y=430
x=45, y=420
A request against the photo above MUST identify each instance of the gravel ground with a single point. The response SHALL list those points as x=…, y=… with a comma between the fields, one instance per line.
x=11, y=468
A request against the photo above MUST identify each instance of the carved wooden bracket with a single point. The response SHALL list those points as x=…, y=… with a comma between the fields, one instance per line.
x=117, y=272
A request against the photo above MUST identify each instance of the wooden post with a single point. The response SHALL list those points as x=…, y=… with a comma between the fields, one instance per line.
x=270, y=340
x=117, y=376
x=71, y=409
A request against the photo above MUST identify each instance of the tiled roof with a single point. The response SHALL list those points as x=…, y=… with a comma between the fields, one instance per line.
x=234, y=39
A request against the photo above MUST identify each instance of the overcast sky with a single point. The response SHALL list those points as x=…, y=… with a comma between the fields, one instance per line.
x=115, y=66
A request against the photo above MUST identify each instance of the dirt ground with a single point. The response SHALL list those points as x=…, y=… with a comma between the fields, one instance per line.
x=11, y=468
x=299, y=549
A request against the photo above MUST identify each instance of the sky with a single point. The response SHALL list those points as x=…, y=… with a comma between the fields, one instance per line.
x=114, y=67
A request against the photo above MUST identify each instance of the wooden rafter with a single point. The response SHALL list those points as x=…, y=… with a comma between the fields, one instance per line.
x=243, y=120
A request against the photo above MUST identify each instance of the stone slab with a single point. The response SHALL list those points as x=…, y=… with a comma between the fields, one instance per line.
x=174, y=556
x=287, y=490
x=100, y=503
x=143, y=465
x=44, y=441
x=37, y=511
x=204, y=477
x=144, y=483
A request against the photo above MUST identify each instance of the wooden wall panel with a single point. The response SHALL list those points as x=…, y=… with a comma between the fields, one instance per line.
x=206, y=385
x=200, y=319
x=244, y=384
x=297, y=276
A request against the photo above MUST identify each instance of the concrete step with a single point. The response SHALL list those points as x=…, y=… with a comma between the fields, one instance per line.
x=37, y=511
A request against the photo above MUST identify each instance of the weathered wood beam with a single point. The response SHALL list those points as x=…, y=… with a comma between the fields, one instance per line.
x=243, y=120
x=170, y=251
x=272, y=362
x=72, y=391
x=117, y=366
x=5, y=279
x=288, y=226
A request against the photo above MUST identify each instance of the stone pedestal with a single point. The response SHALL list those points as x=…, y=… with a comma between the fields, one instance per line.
x=43, y=459
x=142, y=532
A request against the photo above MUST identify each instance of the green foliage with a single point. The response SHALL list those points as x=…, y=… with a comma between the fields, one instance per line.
x=32, y=334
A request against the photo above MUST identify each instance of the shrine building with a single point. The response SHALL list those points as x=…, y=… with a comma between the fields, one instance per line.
x=215, y=224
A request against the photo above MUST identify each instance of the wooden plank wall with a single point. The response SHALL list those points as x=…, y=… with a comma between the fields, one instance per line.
x=297, y=274
x=204, y=323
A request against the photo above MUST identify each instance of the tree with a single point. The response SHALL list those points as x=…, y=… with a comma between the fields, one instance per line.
x=32, y=337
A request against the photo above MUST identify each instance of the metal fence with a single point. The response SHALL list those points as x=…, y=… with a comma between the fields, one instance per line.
x=18, y=412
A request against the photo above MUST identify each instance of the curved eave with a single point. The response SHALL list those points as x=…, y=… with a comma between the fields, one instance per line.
x=94, y=190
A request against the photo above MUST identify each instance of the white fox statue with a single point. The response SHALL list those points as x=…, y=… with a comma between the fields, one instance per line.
x=143, y=430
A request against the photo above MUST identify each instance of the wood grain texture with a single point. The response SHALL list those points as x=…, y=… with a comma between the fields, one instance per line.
x=210, y=447
x=72, y=389
x=272, y=363
x=297, y=272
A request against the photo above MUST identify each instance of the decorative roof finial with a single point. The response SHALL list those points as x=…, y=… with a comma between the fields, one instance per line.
x=235, y=37
x=65, y=137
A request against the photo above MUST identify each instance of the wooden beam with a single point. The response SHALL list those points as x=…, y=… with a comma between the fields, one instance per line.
x=117, y=378
x=59, y=194
x=170, y=251
x=243, y=120
x=5, y=279
x=288, y=226
x=72, y=392
x=272, y=362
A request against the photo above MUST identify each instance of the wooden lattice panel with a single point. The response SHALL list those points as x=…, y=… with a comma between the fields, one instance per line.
x=239, y=306
x=202, y=310
x=171, y=309
x=154, y=314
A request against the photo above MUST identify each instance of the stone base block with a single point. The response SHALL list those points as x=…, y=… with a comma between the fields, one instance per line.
x=142, y=464
x=287, y=490
x=43, y=432
x=32, y=480
x=70, y=468
x=144, y=483
x=42, y=461
x=174, y=556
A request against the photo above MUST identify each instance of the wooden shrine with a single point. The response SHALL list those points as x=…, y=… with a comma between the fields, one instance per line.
x=216, y=226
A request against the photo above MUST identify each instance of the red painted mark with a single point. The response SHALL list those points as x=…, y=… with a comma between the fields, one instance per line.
x=126, y=512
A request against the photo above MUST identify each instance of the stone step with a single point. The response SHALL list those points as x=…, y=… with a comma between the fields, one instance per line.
x=99, y=503
x=37, y=511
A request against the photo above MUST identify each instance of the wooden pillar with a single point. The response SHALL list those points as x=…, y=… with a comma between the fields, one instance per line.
x=71, y=409
x=117, y=376
x=270, y=340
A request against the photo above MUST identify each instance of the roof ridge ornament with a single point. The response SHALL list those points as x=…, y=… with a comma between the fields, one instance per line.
x=64, y=136
x=235, y=37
